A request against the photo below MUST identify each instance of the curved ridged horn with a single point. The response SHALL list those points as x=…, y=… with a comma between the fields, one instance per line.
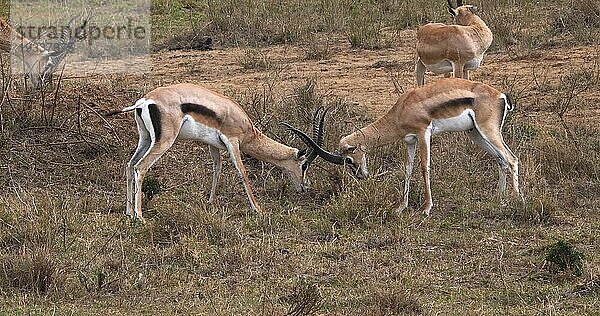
x=330, y=157
x=450, y=5
x=459, y=3
x=65, y=45
x=318, y=123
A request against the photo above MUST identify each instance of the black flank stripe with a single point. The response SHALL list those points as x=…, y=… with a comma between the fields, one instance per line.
x=155, y=118
x=200, y=109
x=453, y=103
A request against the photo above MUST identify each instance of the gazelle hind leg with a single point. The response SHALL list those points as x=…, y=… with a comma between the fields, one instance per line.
x=420, y=72
x=492, y=142
x=141, y=150
x=217, y=163
x=411, y=150
x=478, y=138
x=425, y=155
x=234, y=151
x=140, y=169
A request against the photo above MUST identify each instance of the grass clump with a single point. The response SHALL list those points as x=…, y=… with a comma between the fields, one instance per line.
x=254, y=59
x=390, y=302
x=28, y=271
x=306, y=299
x=562, y=255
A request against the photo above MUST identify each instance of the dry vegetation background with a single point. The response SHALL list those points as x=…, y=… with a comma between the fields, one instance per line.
x=339, y=249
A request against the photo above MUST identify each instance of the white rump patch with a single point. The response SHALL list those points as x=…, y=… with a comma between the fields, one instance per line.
x=192, y=129
x=461, y=122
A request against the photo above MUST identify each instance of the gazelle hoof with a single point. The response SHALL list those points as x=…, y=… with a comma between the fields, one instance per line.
x=400, y=210
x=426, y=210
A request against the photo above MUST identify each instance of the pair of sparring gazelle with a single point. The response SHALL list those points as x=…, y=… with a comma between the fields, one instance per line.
x=449, y=105
x=193, y=112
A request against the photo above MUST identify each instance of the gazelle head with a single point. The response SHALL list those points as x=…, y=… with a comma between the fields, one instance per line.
x=355, y=157
x=296, y=170
x=40, y=71
x=462, y=14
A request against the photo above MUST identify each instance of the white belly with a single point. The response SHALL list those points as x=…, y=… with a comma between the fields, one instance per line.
x=473, y=63
x=441, y=67
x=461, y=122
x=191, y=129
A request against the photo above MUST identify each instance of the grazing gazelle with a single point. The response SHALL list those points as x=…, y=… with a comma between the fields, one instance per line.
x=193, y=112
x=453, y=49
x=39, y=63
x=447, y=105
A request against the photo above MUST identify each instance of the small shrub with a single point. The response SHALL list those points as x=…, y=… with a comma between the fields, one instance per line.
x=581, y=19
x=254, y=59
x=563, y=256
x=316, y=51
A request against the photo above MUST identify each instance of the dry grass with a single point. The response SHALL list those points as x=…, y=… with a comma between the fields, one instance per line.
x=338, y=249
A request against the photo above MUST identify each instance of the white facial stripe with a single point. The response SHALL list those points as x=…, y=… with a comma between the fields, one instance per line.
x=364, y=167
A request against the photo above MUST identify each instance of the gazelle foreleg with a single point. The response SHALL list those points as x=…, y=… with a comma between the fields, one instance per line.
x=411, y=150
x=217, y=163
x=424, y=143
x=233, y=148
x=458, y=69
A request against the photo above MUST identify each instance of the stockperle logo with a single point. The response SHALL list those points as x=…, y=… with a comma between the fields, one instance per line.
x=103, y=37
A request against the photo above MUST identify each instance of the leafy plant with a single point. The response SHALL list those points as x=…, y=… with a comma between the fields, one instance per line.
x=564, y=256
x=151, y=187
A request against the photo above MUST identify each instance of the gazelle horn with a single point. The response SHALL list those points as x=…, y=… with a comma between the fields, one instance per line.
x=328, y=156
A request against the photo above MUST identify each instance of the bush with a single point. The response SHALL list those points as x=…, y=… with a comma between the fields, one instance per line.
x=565, y=257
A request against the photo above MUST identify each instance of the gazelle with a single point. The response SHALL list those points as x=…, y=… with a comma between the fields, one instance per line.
x=447, y=105
x=452, y=49
x=192, y=112
x=38, y=63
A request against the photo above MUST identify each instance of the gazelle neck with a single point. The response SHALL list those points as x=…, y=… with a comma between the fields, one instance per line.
x=375, y=134
x=263, y=148
x=25, y=49
x=481, y=29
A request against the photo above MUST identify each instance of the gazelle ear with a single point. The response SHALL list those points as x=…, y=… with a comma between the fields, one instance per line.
x=452, y=11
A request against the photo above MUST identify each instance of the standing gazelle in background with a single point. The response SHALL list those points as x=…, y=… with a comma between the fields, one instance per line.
x=457, y=48
x=448, y=105
x=193, y=112
x=38, y=63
